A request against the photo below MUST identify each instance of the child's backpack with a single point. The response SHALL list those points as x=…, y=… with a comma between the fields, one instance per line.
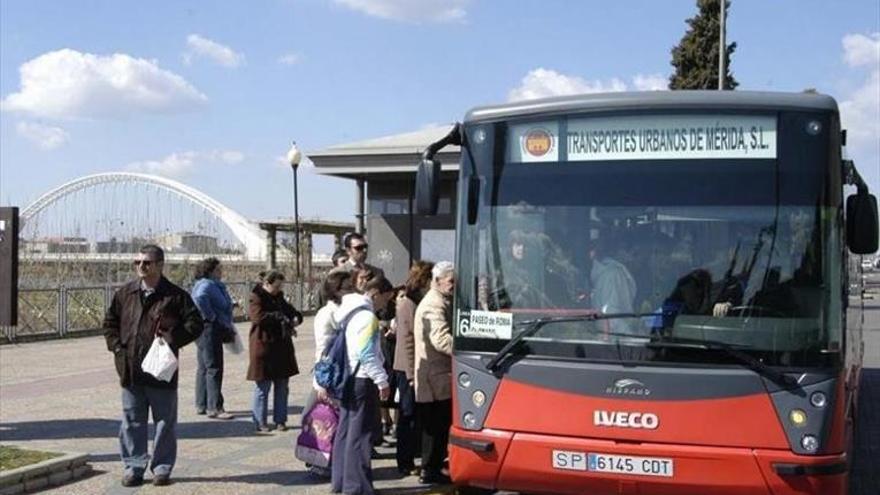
x=332, y=371
x=314, y=445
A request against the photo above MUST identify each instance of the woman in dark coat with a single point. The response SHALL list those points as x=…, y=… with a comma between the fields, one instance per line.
x=272, y=358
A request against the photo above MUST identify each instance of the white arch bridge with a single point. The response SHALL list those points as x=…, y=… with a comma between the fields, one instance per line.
x=246, y=232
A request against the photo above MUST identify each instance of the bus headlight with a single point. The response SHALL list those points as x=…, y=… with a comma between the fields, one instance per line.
x=469, y=420
x=464, y=380
x=818, y=399
x=810, y=443
x=478, y=398
x=798, y=417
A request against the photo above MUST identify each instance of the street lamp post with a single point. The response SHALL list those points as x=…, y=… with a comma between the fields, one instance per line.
x=293, y=157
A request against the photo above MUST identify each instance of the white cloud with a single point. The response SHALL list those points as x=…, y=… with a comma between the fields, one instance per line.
x=860, y=50
x=230, y=157
x=651, y=82
x=543, y=83
x=183, y=163
x=199, y=46
x=290, y=59
x=408, y=10
x=860, y=107
x=70, y=84
x=44, y=136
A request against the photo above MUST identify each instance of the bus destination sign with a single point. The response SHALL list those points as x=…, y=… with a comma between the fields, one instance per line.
x=658, y=137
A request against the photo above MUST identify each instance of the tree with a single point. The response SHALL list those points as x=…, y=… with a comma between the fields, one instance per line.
x=696, y=57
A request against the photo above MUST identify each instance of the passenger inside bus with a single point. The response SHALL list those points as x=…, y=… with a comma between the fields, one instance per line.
x=537, y=274
x=613, y=286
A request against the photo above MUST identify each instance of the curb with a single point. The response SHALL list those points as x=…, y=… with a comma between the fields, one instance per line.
x=51, y=472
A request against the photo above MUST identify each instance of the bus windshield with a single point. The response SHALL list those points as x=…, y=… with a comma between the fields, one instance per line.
x=725, y=250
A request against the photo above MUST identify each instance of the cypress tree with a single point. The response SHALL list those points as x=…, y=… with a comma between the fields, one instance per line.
x=696, y=57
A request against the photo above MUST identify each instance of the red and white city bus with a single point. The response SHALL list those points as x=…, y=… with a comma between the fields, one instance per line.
x=653, y=294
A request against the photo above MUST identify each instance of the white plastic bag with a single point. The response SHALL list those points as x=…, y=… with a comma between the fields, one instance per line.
x=236, y=346
x=160, y=360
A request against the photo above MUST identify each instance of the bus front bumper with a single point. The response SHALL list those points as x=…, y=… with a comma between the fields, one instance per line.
x=525, y=462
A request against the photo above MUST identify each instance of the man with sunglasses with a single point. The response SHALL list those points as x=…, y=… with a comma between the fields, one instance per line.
x=356, y=247
x=147, y=307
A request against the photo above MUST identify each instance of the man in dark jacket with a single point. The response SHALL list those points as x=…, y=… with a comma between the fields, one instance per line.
x=144, y=308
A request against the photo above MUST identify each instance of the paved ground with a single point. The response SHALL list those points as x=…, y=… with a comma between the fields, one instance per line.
x=63, y=395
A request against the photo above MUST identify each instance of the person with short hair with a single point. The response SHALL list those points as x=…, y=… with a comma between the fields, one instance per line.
x=356, y=247
x=339, y=258
x=215, y=304
x=271, y=352
x=352, y=446
x=145, y=308
x=432, y=334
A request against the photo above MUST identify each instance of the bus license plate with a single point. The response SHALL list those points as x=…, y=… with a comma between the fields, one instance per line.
x=612, y=463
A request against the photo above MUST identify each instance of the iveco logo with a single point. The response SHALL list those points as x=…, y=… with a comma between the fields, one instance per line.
x=621, y=419
x=628, y=386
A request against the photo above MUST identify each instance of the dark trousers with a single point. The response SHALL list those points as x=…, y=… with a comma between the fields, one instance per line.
x=352, y=473
x=408, y=431
x=436, y=418
x=209, y=372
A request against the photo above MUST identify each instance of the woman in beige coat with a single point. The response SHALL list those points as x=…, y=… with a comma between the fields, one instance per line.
x=432, y=333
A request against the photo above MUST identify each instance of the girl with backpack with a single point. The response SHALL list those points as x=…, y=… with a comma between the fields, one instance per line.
x=368, y=383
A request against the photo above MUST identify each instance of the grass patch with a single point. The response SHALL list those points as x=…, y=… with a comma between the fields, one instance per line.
x=14, y=457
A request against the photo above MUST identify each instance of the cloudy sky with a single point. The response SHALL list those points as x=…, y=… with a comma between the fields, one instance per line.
x=212, y=93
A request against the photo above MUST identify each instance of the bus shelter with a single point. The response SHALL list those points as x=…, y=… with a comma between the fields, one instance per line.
x=384, y=172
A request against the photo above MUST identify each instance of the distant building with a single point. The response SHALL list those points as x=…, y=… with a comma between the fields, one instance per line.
x=188, y=242
x=118, y=246
x=53, y=245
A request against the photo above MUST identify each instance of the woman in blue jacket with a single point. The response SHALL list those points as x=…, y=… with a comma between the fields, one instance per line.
x=215, y=304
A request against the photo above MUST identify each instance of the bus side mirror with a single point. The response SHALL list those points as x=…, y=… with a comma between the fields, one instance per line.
x=861, y=223
x=428, y=187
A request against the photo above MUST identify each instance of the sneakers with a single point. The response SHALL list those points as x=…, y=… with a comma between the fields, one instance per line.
x=262, y=429
x=220, y=415
x=281, y=427
x=201, y=412
x=161, y=480
x=132, y=479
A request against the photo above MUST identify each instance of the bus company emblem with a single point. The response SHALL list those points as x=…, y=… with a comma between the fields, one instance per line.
x=538, y=142
x=628, y=386
x=620, y=419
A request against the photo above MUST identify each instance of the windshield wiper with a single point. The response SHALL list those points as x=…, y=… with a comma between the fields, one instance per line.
x=532, y=327
x=731, y=350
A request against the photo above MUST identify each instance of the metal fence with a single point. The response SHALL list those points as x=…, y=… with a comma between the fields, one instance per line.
x=67, y=311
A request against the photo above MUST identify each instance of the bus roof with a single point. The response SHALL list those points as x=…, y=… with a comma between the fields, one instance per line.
x=654, y=100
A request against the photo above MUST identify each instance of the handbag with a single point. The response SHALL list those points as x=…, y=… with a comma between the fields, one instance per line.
x=160, y=361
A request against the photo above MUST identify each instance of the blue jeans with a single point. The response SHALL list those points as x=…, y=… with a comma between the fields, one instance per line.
x=209, y=372
x=279, y=402
x=137, y=402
